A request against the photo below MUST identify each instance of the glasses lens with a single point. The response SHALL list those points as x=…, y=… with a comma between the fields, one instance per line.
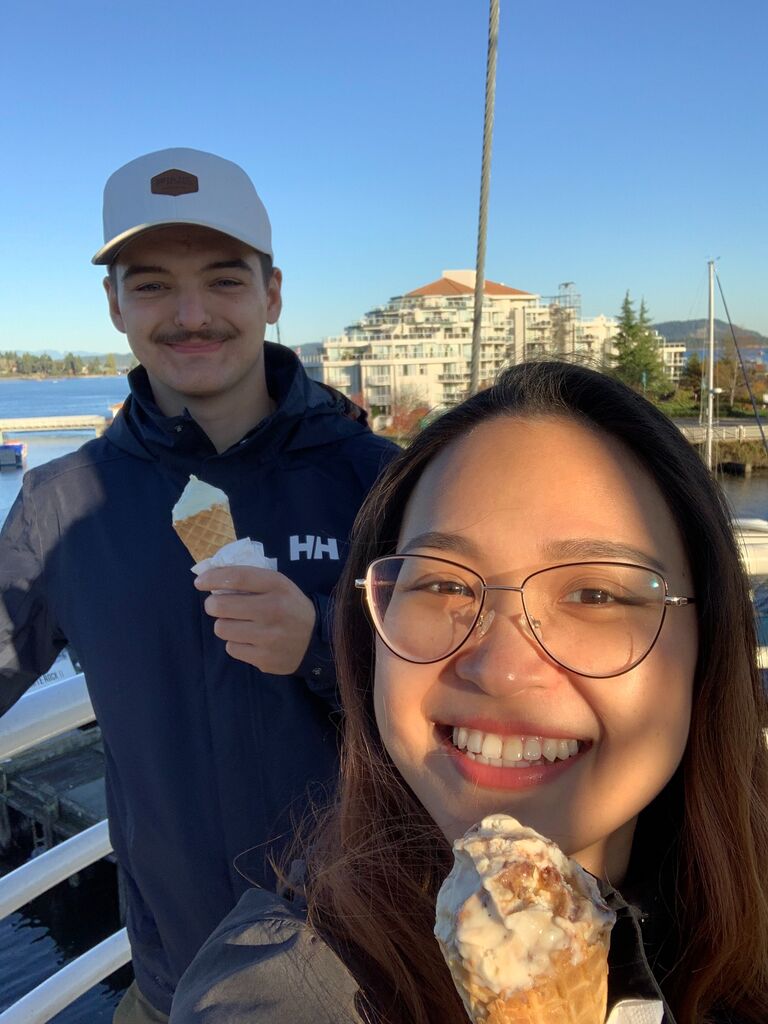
x=423, y=608
x=597, y=619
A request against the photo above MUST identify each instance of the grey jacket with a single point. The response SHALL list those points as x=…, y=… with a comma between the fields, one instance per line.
x=264, y=965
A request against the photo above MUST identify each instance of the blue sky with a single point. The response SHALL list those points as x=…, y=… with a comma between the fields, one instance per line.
x=630, y=146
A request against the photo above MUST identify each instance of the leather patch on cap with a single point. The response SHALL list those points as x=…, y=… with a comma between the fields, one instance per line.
x=174, y=183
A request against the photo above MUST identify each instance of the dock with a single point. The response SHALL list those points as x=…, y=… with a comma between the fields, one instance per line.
x=37, y=424
x=52, y=791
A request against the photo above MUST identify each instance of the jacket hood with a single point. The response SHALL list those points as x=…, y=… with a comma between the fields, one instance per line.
x=140, y=428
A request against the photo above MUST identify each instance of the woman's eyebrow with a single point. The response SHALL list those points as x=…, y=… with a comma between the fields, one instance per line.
x=590, y=547
x=452, y=542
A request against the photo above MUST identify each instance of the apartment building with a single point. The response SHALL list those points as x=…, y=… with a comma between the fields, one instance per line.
x=417, y=348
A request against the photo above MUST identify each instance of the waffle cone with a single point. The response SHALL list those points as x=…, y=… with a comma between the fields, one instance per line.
x=568, y=994
x=203, y=534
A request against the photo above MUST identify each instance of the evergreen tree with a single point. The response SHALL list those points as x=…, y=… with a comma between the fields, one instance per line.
x=638, y=360
x=110, y=364
x=71, y=364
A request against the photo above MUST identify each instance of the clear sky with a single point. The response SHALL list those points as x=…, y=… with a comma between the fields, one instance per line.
x=630, y=146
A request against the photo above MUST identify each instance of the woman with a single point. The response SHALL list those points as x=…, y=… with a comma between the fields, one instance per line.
x=563, y=633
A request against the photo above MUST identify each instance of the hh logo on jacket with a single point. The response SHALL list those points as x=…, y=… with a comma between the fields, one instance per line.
x=313, y=547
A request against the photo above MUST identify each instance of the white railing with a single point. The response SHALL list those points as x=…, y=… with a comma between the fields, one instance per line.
x=722, y=432
x=55, y=994
x=41, y=874
x=41, y=715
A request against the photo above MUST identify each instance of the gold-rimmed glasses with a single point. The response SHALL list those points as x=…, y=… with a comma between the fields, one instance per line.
x=597, y=619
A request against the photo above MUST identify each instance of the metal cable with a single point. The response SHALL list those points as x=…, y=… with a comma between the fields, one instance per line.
x=741, y=363
x=485, y=178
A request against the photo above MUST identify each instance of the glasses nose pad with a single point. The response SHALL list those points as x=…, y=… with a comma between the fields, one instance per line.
x=534, y=624
x=484, y=623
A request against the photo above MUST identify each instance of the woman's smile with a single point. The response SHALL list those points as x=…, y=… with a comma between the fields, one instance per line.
x=516, y=761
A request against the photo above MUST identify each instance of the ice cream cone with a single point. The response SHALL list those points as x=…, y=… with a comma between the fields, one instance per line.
x=523, y=930
x=571, y=994
x=206, y=532
x=202, y=519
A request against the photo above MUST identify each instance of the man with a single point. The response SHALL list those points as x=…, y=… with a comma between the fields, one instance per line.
x=216, y=709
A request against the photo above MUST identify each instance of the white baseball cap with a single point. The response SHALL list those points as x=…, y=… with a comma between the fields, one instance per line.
x=182, y=186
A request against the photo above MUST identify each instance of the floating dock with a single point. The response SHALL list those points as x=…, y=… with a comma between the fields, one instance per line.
x=52, y=791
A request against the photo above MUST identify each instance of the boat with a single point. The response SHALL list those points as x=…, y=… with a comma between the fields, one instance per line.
x=13, y=454
x=752, y=537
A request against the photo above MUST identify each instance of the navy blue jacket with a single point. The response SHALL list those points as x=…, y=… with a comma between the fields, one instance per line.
x=205, y=756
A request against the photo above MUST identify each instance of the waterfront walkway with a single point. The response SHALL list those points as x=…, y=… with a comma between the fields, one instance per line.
x=36, y=424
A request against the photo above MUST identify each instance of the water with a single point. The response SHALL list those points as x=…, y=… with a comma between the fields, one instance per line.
x=91, y=396
x=65, y=922
x=68, y=920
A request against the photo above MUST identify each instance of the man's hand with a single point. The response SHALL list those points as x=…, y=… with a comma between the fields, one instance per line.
x=268, y=622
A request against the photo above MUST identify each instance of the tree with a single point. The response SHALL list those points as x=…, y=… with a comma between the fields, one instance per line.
x=73, y=365
x=692, y=376
x=638, y=359
x=407, y=411
x=110, y=364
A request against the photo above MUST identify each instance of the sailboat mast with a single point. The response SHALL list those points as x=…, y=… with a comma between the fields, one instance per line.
x=485, y=177
x=711, y=367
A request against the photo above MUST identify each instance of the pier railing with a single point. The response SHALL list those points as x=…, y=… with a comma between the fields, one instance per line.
x=41, y=715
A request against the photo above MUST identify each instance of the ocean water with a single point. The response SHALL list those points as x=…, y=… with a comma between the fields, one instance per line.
x=65, y=922
x=87, y=396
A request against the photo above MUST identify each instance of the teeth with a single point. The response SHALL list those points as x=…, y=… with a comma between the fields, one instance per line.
x=512, y=751
x=549, y=749
x=492, y=746
x=531, y=749
x=475, y=741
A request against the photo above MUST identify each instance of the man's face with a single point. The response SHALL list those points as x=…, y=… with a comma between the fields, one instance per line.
x=193, y=305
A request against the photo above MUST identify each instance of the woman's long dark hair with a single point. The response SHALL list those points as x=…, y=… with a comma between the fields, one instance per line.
x=378, y=859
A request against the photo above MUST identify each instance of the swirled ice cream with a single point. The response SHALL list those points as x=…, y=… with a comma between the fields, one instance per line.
x=523, y=928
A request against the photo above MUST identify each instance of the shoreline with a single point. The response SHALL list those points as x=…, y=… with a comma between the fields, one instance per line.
x=59, y=376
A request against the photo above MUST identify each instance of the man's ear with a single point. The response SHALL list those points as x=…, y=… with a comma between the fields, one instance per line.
x=114, y=307
x=274, y=297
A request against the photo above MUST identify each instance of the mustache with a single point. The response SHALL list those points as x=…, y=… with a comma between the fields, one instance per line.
x=180, y=337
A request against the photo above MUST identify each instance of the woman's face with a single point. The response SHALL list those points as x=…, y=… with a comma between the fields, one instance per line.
x=515, y=496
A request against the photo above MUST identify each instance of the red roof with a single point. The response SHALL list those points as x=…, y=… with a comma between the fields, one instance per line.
x=447, y=286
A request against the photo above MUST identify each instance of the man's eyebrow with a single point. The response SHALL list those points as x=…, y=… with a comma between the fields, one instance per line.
x=452, y=542
x=238, y=264
x=135, y=268
x=586, y=548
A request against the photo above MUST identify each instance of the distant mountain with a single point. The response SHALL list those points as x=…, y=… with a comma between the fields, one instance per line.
x=696, y=333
